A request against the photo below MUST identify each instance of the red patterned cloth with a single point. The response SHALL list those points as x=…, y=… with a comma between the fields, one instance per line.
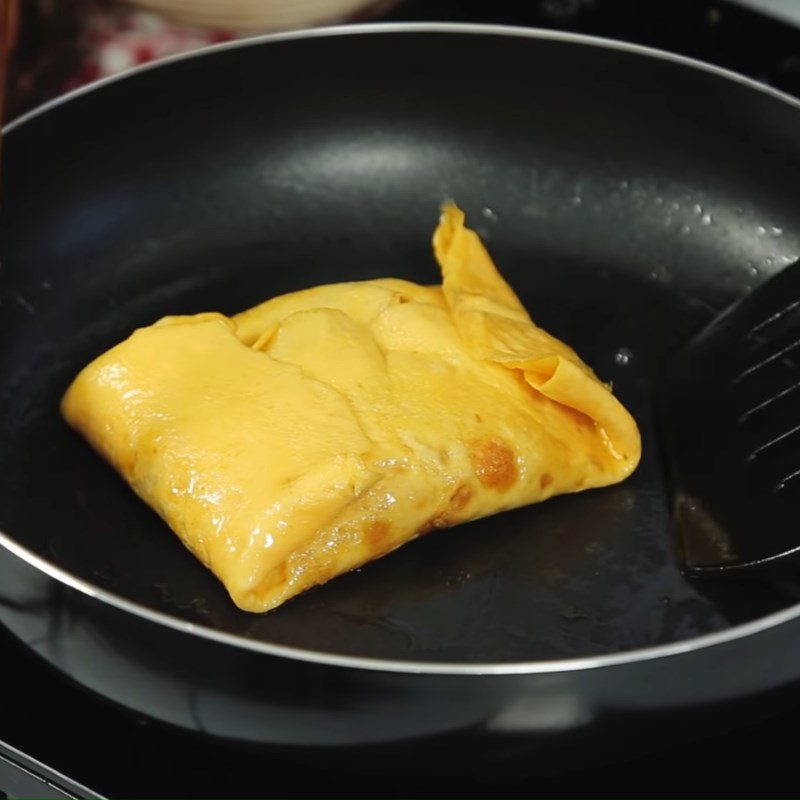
x=64, y=44
x=116, y=37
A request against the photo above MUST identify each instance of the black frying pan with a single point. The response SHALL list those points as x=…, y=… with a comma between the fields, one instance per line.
x=626, y=194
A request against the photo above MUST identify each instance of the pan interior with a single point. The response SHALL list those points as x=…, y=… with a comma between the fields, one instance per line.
x=626, y=198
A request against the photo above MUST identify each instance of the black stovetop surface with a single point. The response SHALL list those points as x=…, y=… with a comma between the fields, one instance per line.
x=54, y=731
x=58, y=740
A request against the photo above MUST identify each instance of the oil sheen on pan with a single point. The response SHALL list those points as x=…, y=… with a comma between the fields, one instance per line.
x=325, y=428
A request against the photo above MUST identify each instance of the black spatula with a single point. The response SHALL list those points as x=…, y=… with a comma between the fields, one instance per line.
x=730, y=414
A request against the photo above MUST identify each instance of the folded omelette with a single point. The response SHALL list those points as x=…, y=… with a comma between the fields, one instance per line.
x=325, y=428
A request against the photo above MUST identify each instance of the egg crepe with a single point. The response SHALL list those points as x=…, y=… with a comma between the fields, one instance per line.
x=325, y=428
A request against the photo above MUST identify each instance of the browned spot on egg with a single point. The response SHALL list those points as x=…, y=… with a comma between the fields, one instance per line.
x=436, y=522
x=494, y=463
x=127, y=462
x=403, y=298
x=449, y=516
x=377, y=533
x=545, y=480
x=461, y=497
x=444, y=456
x=478, y=417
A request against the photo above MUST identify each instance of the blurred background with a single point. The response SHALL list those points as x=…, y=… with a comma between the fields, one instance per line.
x=59, y=45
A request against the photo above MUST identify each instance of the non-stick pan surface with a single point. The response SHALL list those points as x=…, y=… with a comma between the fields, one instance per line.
x=625, y=195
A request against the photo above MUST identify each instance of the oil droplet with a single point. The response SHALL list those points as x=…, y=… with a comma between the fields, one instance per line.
x=752, y=269
x=697, y=209
x=489, y=214
x=623, y=356
x=25, y=304
x=761, y=230
x=675, y=206
x=685, y=230
x=775, y=231
x=661, y=273
x=659, y=201
x=623, y=186
x=706, y=219
x=576, y=200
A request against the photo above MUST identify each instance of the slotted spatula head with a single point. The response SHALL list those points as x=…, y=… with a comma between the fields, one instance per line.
x=729, y=407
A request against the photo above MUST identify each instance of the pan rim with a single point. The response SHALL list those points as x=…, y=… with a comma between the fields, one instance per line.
x=372, y=28
x=580, y=664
